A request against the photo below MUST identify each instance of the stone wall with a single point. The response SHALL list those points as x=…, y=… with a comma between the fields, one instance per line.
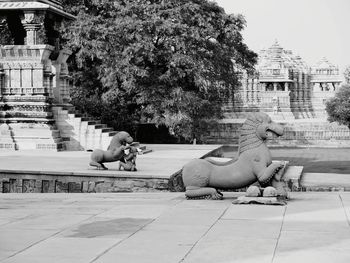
x=60, y=183
x=306, y=133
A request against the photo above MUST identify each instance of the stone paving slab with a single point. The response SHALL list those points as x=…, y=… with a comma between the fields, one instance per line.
x=165, y=227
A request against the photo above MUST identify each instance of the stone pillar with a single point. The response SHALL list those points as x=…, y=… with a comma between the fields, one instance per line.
x=285, y=86
x=2, y=82
x=255, y=88
x=250, y=90
x=275, y=86
x=33, y=24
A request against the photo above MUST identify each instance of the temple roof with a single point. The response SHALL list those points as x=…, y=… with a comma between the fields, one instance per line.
x=276, y=57
x=54, y=6
x=324, y=64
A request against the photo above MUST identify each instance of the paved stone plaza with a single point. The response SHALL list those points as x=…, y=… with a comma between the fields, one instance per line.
x=165, y=227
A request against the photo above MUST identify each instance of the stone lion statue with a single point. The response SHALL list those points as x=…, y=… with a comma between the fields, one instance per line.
x=115, y=152
x=203, y=177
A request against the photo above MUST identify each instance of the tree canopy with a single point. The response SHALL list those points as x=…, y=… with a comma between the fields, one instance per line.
x=338, y=107
x=164, y=61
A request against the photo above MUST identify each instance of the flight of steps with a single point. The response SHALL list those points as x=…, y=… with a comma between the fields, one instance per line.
x=79, y=132
x=30, y=136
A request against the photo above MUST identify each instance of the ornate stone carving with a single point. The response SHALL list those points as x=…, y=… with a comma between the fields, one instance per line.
x=128, y=163
x=202, y=178
x=33, y=23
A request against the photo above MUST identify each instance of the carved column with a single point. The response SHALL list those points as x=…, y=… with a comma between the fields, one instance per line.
x=275, y=86
x=285, y=86
x=2, y=82
x=33, y=24
x=255, y=89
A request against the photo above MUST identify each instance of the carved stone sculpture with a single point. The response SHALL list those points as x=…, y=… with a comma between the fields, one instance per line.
x=203, y=177
x=115, y=151
x=128, y=163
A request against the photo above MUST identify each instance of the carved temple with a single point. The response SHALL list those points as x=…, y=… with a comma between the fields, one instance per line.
x=286, y=87
x=35, y=113
x=291, y=92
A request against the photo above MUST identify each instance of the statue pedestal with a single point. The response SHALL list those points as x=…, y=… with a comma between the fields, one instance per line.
x=27, y=96
x=260, y=200
x=6, y=140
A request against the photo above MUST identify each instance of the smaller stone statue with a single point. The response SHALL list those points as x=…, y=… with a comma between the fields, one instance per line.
x=115, y=152
x=128, y=163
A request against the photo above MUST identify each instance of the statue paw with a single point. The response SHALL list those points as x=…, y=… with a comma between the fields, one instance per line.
x=217, y=196
x=270, y=192
x=253, y=191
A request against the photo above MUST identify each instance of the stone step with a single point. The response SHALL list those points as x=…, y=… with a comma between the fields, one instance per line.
x=325, y=182
x=107, y=130
x=84, y=131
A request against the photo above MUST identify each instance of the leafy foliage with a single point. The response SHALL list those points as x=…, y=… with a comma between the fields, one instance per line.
x=165, y=61
x=347, y=75
x=338, y=107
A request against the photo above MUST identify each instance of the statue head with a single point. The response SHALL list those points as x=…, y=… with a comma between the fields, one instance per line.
x=256, y=130
x=124, y=138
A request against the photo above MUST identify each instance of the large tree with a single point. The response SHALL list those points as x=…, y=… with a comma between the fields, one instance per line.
x=164, y=61
x=338, y=107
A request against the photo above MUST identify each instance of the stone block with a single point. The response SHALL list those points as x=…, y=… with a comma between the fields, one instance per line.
x=6, y=187
x=161, y=184
x=12, y=185
x=74, y=187
x=84, y=187
x=91, y=187
x=45, y=186
x=28, y=185
x=61, y=187
x=103, y=187
x=139, y=183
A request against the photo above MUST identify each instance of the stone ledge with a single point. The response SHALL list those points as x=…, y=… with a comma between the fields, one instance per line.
x=93, y=174
x=69, y=183
x=325, y=182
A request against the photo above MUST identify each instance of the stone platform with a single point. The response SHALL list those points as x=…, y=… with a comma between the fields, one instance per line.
x=46, y=171
x=69, y=172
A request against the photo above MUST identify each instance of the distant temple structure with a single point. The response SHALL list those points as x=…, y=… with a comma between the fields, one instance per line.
x=286, y=87
x=291, y=92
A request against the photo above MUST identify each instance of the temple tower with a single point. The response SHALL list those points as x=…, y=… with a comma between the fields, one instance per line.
x=277, y=82
x=33, y=73
x=325, y=82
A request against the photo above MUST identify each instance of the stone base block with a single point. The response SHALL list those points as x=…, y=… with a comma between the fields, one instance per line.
x=6, y=140
x=10, y=145
x=38, y=144
x=260, y=200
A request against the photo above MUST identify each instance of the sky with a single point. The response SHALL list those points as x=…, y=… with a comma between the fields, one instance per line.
x=312, y=29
